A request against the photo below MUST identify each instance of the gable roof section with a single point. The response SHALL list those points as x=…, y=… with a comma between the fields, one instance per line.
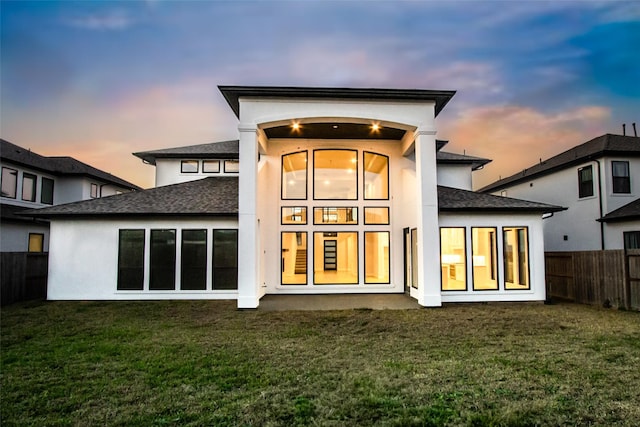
x=233, y=94
x=213, y=150
x=457, y=200
x=57, y=165
x=605, y=145
x=205, y=197
x=443, y=157
x=628, y=212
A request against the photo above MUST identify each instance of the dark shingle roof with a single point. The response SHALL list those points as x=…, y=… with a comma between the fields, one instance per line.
x=57, y=165
x=10, y=213
x=454, y=199
x=213, y=150
x=628, y=212
x=604, y=145
x=233, y=94
x=443, y=157
x=209, y=196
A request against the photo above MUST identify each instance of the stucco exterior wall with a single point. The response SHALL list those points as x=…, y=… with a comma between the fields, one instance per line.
x=168, y=171
x=614, y=233
x=15, y=236
x=83, y=258
x=455, y=176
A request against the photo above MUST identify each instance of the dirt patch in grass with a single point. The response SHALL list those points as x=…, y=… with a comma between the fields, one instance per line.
x=205, y=363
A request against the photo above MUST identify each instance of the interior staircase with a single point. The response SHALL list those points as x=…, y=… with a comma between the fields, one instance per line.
x=301, y=261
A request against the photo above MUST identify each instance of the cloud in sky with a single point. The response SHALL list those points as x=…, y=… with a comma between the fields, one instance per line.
x=101, y=76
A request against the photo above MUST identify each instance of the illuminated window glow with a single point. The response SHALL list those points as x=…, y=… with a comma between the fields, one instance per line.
x=453, y=259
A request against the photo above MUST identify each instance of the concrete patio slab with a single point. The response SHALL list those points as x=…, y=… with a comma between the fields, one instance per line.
x=337, y=302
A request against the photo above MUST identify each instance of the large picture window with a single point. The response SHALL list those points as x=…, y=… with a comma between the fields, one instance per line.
x=484, y=258
x=376, y=176
x=294, y=176
x=453, y=259
x=225, y=259
x=335, y=259
x=621, y=179
x=163, y=260
x=46, y=195
x=131, y=260
x=516, y=257
x=376, y=257
x=294, y=258
x=9, y=182
x=585, y=182
x=29, y=187
x=335, y=175
x=193, y=273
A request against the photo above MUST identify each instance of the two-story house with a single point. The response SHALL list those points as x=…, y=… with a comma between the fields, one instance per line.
x=326, y=191
x=598, y=181
x=30, y=180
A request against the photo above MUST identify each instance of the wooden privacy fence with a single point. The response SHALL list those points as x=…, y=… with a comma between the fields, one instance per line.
x=607, y=278
x=24, y=276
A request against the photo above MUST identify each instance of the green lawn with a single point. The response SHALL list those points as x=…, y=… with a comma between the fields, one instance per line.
x=205, y=363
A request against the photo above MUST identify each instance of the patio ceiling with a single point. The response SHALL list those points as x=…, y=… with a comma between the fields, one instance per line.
x=335, y=131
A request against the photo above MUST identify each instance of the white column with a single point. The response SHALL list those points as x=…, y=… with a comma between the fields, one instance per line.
x=428, y=230
x=248, y=241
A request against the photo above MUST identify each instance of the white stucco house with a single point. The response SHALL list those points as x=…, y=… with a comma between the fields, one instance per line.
x=30, y=181
x=326, y=191
x=598, y=181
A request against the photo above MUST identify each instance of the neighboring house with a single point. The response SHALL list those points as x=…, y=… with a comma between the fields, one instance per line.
x=599, y=183
x=30, y=180
x=327, y=191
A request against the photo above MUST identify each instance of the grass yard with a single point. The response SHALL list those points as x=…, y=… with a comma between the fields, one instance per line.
x=205, y=363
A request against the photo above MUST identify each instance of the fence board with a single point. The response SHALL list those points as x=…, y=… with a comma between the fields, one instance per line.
x=609, y=278
x=24, y=276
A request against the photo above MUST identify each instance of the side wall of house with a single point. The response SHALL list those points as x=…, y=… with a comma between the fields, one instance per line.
x=614, y=233
x=455, y=176
x=15, y=236
x=83, y=258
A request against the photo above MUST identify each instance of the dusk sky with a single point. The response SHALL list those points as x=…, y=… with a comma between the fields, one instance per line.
x=100, y=80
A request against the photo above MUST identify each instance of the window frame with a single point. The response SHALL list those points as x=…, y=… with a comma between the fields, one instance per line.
x=34, y=186
x=388, y=233
x=465, y=259
x=364, y=217
x=582, y=184
x=504, y=258
x=229, y=161
x=306, y=274
x=496, y=261
x=183, y=163
x=120, y=257
x=357, y=252
x=357, y=183
x=213, y=260
x=210, y=162
x=306, y=175
x=337, y=209
x=42, y=190
x=304, y=209
x=93, y=194
x=15, y=184
x=364, y=180
x=183, y=258
x=625, y=181
x=151, y=269
x=41, y=235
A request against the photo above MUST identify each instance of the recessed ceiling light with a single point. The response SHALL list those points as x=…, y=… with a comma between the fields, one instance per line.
x=295, y=126
x=335, y=126
x=375, y=127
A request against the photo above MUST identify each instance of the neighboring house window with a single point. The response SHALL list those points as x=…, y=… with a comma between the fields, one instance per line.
x=621, y=180
x=46, y=195
x=231, y=166
x=453, y=258
x=9, y=182
x=29, y=187
x=210, y=166
x=163, y=260
x=131, y=260
x=585, y=182
x=193, y=274
x=484, y=258
x=189, y=166
x=294, y=257
x=94, y=191
x=376, y=176
x=36, y=242
x=631, y=239
x=294, y=176
x=516, y=257
x=376, y=257
x=225, y=259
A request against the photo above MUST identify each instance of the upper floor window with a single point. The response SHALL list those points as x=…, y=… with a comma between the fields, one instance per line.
x=189, y=166
x=210, y=166
x=231, y=166
x=621, y=180
x=335, y=175
x=29, y=187
x=376, y=176
x=294, y=176
x=585, y=182
x=94, y=191
x=9, y=182
x=46, y=195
